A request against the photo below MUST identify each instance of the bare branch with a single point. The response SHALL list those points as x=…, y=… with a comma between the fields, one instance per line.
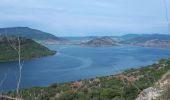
x=20, y=67
x=20, y=64
x=7, y=97
x=12, y=46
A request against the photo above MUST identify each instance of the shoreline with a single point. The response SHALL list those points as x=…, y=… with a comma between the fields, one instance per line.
x=135, y=76
x=23, y=59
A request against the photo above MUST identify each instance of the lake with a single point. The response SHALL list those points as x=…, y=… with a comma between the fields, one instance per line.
x=77, y=62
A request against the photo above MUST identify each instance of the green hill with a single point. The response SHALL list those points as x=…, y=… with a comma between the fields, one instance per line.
x=29, y=49
x=31, y=34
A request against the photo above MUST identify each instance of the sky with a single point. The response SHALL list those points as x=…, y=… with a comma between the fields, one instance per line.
x=86, y=17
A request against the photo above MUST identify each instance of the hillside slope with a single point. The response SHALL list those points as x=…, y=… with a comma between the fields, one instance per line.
x=147, y=40
x=124, y=86
x=29, y=49
x=159, y=91
x=32, y=34
x=101, y=42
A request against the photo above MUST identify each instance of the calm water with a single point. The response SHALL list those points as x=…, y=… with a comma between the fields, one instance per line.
x=75, y=62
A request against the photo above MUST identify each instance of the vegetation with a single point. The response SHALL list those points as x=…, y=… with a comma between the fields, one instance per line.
x=28, y=33
x=124, y=86
x=29, y=49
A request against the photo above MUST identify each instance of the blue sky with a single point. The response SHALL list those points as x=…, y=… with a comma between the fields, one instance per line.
x=86, y=17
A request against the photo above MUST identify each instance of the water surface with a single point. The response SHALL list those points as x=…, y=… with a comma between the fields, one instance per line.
x=76, y=62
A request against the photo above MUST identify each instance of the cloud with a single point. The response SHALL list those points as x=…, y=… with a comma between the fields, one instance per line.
x=85, y=17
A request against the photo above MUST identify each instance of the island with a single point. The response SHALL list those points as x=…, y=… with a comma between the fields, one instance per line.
x=105, y=41
x=29, y=49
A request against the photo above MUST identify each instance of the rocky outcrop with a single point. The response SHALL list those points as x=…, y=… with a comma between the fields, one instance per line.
x=158, y=91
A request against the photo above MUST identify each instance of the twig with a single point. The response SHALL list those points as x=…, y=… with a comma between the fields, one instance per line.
x=19, y=63
x=20, y=67
x=8, y=97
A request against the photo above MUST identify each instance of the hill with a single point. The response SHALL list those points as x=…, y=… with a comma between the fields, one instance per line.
x=148, y=40
x=32, y=34
x=145, y=37
x=100, y=42
x=154, y=43
x=29, y=49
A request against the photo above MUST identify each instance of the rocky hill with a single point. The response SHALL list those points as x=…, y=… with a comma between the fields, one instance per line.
x=101, y=42
x=154, y=43
x=147, y=40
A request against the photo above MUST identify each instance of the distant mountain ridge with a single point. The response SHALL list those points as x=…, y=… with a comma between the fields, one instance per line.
x=147, y=40
x=31, y=33
x=144, y=37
